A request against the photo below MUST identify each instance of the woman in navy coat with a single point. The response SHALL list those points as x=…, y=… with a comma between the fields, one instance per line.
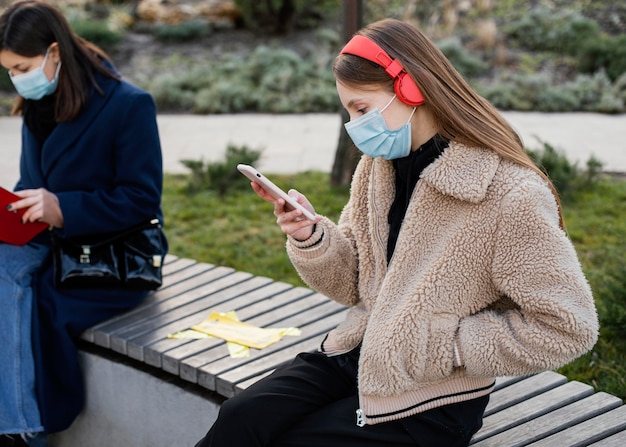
x=91, y=163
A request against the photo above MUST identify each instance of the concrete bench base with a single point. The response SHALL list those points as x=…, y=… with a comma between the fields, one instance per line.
x=130, y=405
x=146, y=389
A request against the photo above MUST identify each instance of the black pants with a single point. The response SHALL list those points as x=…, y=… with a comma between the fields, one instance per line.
x=312, y=402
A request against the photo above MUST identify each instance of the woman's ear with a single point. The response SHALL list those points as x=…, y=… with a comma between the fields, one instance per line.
x=55, y=54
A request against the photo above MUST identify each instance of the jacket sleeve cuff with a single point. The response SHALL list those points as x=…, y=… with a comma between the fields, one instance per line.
x=311, y=247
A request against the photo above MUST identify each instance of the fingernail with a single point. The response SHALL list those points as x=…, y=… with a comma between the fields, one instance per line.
x=9, y=207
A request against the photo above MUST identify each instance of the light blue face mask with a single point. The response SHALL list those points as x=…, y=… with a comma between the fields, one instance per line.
x=35, y=84
x=372, y=137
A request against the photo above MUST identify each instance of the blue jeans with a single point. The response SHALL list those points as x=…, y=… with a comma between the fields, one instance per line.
x=19, y=412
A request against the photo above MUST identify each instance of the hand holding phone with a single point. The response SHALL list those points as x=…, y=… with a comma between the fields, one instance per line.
x=273, y=190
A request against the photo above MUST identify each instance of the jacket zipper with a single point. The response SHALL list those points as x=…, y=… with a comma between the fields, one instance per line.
x=360, y=418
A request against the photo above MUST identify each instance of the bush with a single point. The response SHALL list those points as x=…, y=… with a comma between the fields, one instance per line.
x=539, y=92
x=619, y=88
x=544, y=29
x=283, y=16
x=181, y=32
x=5, y=82
x=97, y=32
x=516, y=91
x=468, y=65
x=566, y=176
x=595, y=93
x=269, y=80
x=556, y=99
x=170, y=96
x=604, y=53
x=222, y=176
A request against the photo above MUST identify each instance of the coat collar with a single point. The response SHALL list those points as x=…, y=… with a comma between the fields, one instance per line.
x=65, y=134
x=463, y=172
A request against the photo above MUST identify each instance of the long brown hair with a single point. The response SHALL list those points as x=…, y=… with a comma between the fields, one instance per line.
x=29, y=27
x=460, y=113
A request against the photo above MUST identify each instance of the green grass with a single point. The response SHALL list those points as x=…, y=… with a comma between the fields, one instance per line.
x=239, y=231
x=596, y=222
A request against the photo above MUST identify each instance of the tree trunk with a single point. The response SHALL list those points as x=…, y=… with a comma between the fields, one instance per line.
x=346, y=155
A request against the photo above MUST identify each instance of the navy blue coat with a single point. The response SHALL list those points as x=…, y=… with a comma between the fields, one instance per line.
x=106, y=169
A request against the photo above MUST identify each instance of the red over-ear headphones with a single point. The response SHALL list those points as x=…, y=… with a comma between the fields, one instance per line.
x=404, y=86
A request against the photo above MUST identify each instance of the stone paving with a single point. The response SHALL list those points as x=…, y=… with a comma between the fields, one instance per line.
x=297, y=143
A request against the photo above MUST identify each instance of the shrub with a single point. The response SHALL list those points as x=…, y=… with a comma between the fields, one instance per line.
x=544, y=29
x=98, y=32
x=181, y=32
x=221, y=176
x=595, y=93
x=282, y=16
x=539, y=92
x=567, y=177
x=6, y=105
x=619, y=88
x=604, y=53
x=269, y=80
x=468, y=65
x=516, y=91
x=170, y=96
x=5, y=82
x=556, y=99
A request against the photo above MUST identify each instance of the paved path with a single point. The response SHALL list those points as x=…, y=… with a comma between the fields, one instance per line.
x=296, y=143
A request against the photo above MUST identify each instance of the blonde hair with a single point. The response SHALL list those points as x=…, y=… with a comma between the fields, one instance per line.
x=460, y=113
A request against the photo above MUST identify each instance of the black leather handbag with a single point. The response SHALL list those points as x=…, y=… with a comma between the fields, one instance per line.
x=131, y=259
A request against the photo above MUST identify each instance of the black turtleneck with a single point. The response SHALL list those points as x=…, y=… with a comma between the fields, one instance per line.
x=408, y=171
x=39, y=117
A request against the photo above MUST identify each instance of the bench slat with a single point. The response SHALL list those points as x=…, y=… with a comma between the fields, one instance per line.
x=226, y=383
x=289, y=300
x=186, y=360
x=504, y=381
x=191, y=356
x=183, y=313
x=179, y=348
x=616, y=440
x=169, y=268
x=553, y=422
x=103, y=330
x=589, y=431
x=136, y=325
x=522, y=390
x=240, y=386
x=200, y=285
x=532, y=408
x=205, y=367
x=321, y=320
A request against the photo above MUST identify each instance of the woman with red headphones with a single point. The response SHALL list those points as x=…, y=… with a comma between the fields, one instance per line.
x=450, y=255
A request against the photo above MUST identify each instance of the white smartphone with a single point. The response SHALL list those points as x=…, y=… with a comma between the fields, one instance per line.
x=272, y=189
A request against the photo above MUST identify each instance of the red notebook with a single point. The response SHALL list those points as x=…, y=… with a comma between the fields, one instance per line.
x=12, y=230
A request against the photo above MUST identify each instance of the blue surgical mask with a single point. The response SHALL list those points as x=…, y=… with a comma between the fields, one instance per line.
x=35, y=84
x=371, y=135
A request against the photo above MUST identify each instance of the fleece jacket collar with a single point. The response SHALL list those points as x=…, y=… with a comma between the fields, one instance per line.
x=463, y=172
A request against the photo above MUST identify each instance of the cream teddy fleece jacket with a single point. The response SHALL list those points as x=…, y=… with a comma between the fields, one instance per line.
x=481, y=269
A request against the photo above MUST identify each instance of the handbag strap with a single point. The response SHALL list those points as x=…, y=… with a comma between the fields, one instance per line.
x=152, y=223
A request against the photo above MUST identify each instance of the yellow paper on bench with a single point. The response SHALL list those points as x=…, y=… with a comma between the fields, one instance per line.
x=232, y=330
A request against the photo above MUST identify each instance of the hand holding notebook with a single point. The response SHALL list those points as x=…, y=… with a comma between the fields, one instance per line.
x=12, y=230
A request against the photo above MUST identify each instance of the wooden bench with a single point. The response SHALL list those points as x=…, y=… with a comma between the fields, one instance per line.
x=540, y=410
